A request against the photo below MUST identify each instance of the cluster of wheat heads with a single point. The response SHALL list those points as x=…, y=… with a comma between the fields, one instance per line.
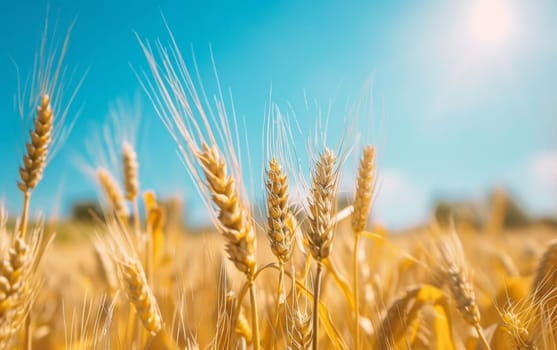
x=322, y=279
x=427, y=313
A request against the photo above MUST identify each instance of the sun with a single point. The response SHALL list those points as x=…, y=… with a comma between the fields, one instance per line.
x=490, y=22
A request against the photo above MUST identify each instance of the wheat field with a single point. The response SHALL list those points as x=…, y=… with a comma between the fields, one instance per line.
x=315, y=274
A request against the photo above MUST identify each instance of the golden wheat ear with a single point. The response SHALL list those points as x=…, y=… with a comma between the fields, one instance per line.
x=36, y=155
x=320, y=231
x=544, y=292
x=141, y=295
x=113, y=194
x=234, y=221
x=130, y=170
x=453, y=266
x=517, y=327
x=321, y=206
x=364, y=189
x=19, y=282
x=34, y=160
x=362, y=204
x=300, y=338
x=279, y=234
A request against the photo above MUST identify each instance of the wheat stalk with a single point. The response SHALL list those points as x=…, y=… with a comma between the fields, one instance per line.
x=279, y=233
x=320, y=231
x=454, y=269
x=154, y=222
x=362, y=203
x=233, y=220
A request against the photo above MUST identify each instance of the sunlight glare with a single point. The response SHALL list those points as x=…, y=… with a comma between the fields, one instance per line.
x=491, y=22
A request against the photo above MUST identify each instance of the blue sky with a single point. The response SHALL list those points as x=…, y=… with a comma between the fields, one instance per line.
x=465, y=97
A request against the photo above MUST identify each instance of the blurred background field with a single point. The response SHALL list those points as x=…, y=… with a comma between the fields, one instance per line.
x=456, y=250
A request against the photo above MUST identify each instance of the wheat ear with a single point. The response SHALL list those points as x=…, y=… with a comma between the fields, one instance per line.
x=320, y=231
x=141, y=295
x=234, y=222
x=130, y=171
x=35, y=158
x=16, y=288
x=279, y=234
x=516, y=324
x=131, y=181
x=364, y=189
x=321, y=206
x=301, y=332
x=113, y=193
x=362, y=204
x=454, y=269
x=544, y=292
